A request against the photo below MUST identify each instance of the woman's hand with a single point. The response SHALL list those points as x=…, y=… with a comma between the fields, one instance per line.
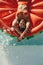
x=20, y=38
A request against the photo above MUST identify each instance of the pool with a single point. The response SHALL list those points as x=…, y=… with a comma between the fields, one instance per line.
x=27, y=52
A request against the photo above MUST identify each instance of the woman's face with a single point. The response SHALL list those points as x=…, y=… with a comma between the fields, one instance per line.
x=22, y=24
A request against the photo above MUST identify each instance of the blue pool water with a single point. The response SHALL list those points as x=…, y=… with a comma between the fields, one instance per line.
x=21, y=55
x=27, y=52
x=6, y=39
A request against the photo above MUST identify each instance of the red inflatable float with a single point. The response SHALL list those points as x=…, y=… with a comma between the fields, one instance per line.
x=8, y=10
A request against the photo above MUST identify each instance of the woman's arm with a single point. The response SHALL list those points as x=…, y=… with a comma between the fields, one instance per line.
x=17, y=30
x=13, y=26
x=14, y=22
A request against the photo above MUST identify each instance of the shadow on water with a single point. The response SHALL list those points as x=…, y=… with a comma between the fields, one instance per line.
x=11, y=40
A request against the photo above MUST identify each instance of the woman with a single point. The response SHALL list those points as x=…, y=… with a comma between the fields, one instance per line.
x=22, y=19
